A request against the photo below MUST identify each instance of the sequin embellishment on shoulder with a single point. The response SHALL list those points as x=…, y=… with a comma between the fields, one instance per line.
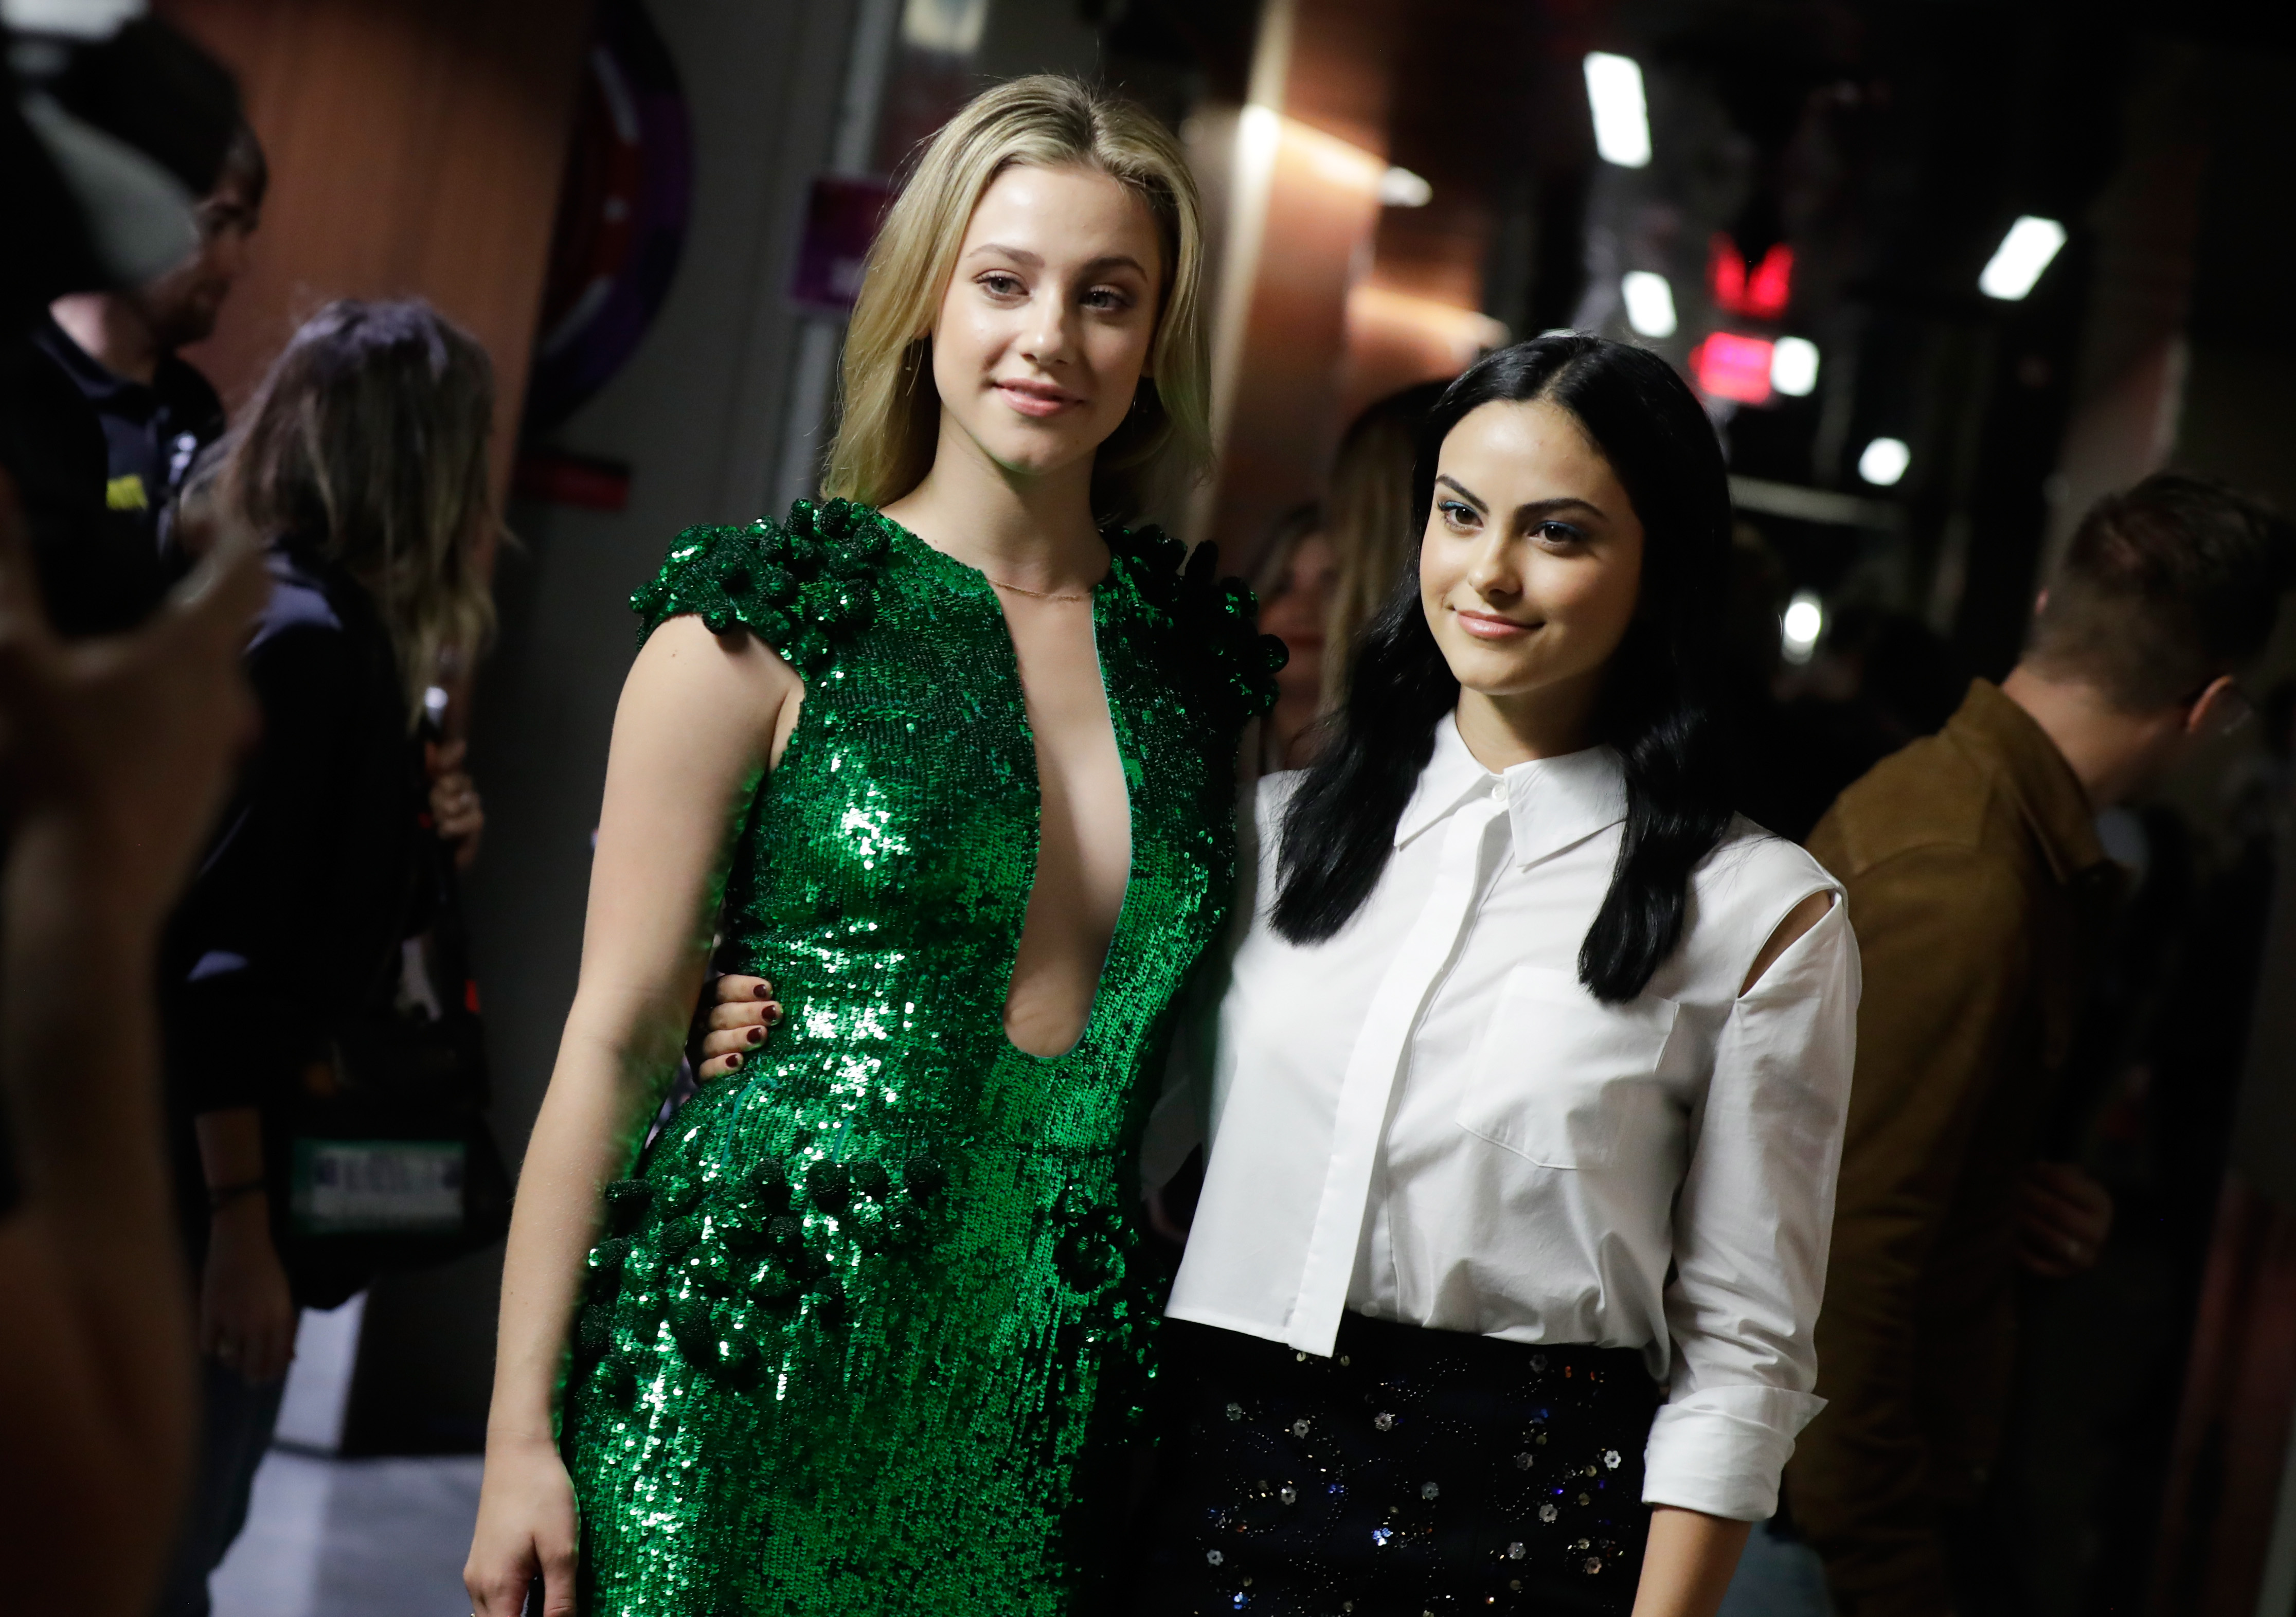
x=801, y=586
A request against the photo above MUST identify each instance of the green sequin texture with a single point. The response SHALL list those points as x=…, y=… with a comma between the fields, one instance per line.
x=865, y=1335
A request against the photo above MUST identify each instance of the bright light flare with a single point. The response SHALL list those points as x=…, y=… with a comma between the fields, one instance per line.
x=1614, y=93
x=1727, y=366
x=1801, y=627
x=2021, y=256
x=1650, y=302
x=1884, y=461
x=1793, y=366
x=1401, y=188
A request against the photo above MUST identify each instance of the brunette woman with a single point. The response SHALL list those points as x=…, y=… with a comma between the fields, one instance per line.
x=1528, y=1085
x=859, y=1332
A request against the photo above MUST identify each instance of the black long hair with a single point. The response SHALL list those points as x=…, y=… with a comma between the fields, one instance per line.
x=1340, y=827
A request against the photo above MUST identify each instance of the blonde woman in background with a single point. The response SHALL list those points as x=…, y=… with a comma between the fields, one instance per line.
x=1293, y=580
x=362, y=463
x=1324, y=569
x=1369, y=522
x=860, y=1330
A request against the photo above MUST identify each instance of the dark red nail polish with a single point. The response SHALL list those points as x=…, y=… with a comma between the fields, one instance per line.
x=757, y=1036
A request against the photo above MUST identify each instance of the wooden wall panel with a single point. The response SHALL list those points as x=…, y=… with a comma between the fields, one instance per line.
x=1323, y=204
x=415, y=147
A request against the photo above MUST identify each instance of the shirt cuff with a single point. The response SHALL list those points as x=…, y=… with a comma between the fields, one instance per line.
x=1719, y=1450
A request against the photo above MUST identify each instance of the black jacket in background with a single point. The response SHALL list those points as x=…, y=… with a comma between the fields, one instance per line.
x=296, y=917
x=151, y=434
x=97, y=572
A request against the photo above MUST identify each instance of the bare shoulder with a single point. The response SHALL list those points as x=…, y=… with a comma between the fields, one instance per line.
x=1799, y=921
x=707, y=689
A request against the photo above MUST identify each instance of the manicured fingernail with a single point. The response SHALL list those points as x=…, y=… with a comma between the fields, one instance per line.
x=733, y=1060
x=757, y=1036
x=765, y=990
x=773, y=1016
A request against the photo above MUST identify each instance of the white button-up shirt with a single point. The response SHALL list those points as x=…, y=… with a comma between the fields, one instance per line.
x=1428, y=1119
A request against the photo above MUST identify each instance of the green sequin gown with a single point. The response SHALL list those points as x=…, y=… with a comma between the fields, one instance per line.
x=865, y=1335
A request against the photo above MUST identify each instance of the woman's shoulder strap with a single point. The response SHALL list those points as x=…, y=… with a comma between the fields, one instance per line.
x=1216, y=620
x=803, y=585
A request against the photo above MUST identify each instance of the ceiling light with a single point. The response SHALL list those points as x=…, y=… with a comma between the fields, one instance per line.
x=1650, y=303
x=2021, y=256
x=1401, y=188
x=1614, y=93
x=949, y=27
x=1793, y=366
x=1884, y=461
x=1801, y=626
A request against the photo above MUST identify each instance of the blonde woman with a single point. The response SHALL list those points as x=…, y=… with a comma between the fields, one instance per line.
x=950, y=761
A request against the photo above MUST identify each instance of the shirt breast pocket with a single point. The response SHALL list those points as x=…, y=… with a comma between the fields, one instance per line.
x=1562, y=1080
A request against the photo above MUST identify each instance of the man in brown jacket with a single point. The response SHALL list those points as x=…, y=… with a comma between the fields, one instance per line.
x=1976, y=884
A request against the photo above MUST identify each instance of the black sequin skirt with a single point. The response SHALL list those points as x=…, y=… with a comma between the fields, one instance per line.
x=1414, y=1471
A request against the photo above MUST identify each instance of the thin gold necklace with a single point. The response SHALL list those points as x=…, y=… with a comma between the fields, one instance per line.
x=1034, y=594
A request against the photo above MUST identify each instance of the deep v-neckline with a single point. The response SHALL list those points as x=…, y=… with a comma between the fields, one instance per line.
x=971, y=582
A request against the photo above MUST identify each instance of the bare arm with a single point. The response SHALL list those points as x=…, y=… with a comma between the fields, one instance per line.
x=1687, y=1565
x=699, y=718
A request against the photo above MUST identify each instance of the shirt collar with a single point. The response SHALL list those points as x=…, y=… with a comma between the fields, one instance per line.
x=1552, y=802
x=96, y=381
x=2048, y=791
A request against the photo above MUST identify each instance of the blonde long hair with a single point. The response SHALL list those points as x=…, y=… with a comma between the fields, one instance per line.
x=368, y=440
x=890, y=411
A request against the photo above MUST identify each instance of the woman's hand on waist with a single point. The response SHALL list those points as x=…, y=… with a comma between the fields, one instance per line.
x=744, y=1013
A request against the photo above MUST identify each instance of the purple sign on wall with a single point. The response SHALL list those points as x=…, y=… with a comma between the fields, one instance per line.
x=841, y=218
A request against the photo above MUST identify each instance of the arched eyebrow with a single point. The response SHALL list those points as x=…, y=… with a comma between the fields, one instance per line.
x=1032, y=261
x=1530, y=512
x=1446, y=480
x=1538, y=511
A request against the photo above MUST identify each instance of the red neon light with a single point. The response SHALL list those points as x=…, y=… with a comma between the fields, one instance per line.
x=1764, y=293
x=1727, y=366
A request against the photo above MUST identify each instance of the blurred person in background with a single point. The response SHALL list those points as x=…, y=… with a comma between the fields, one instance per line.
x=1324, y=569
x=363, y=466
x=113, y=756
x=1878, y=680
x=118, y=350
x=116, y=755
x=124, y=126
x=1295, y=581
x=1977, y=888
x=1369, y=523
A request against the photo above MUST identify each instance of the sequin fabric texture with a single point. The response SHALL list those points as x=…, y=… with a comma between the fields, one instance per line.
x=865, y=1334
x=1414, y=1471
